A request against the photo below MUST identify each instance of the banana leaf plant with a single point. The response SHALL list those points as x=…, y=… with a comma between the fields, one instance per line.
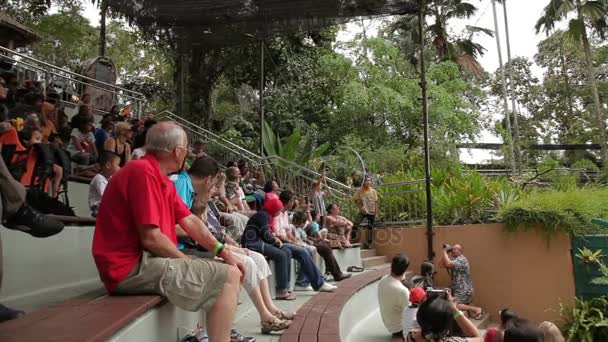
x=290, y=150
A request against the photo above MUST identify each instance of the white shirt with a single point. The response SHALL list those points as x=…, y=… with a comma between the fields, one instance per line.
x=393, y=297
x=281, y=225
x=138, y=153
x=408, y=320
x=96, y=189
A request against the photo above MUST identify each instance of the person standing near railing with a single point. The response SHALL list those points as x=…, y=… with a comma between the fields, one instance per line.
x=317, y=198
x=366, y=199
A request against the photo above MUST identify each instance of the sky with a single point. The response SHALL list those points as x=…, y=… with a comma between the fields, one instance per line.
x=523, y=15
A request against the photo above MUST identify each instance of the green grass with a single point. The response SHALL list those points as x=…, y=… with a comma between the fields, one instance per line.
x=558, y=211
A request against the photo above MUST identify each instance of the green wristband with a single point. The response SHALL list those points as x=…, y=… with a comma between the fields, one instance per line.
x=217, y=248
x=458, y=314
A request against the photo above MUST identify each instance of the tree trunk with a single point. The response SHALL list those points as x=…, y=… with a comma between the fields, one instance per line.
x=509, y=138
x=599, y=112
x=516, y=140
x=102, y=27
x=564, y=72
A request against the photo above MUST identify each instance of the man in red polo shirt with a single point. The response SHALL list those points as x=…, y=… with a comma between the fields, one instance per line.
x=135, y=244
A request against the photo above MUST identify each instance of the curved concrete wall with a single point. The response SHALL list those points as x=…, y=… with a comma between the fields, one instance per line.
x=522, y=271
x=40, y=272
x=361, y=305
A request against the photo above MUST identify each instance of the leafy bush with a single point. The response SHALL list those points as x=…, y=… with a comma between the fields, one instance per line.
x=567, y=211
x=586, y=321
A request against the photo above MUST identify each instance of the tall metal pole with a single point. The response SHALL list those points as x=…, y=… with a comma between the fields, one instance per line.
x=427, y=153
x=262, y=98
x=181, y=80
x=516, y=142
x=509, y=139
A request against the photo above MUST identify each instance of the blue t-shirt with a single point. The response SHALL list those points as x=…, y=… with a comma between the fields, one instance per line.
x=184, y=188
x=314, y=226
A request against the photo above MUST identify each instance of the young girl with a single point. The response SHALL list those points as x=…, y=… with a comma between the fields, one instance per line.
x=313, y=228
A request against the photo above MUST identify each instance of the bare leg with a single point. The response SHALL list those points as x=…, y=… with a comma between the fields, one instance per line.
x=57, y=180
x=469, y=308
x=260, y=306
x=265, y=291
x=221, y=315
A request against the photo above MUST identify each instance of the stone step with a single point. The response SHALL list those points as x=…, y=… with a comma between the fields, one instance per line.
x=366, y=253
x=482, y=323
x=373, y=261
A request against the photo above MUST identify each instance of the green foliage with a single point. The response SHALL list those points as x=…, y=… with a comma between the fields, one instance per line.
x=589, y=257
x=586, y=321
x=468, y=197
x=567, y=211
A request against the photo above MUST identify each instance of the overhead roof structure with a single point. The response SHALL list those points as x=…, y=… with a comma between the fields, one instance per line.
x=233, y=22
x=14, y=34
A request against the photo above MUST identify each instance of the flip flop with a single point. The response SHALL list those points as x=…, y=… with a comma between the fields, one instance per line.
x=355, y=269
x=479, y=316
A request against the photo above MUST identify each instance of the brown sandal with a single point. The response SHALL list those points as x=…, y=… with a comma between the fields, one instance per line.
x=274, y=324
x=280, y=314
x=286, y=295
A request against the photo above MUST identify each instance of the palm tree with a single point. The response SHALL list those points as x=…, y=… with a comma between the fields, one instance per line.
x=463, y=50
x=515, y=128
x=102, y=27
x=509, y=139
x=589, y=16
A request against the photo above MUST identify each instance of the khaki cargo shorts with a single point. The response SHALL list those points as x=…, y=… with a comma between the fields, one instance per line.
x=191, y=284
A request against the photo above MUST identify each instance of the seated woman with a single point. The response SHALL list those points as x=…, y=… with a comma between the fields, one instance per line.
x=309, y=275
x=119, y=142
x=322, y=247
x=82, y=143
x=339, y=225
x=233, y=220
x=201, y=177
x=272, y=190
x=436, y=317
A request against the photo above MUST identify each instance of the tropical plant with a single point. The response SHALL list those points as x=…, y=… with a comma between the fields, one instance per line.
x=590, y=17
x=569, y=211
x=461, y=50
x=589, y=257
x=289, y=150
x=586, y=320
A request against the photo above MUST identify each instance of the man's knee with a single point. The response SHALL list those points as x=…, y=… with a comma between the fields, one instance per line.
x=233, y=276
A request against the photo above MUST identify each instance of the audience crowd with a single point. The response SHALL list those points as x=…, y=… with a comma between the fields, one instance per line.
x=167, y=212
x=412, y=310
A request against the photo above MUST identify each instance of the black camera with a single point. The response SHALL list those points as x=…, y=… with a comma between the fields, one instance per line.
x=447, y=247
x=437, y=293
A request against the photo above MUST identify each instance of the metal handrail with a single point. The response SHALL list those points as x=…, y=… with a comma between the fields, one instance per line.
x=209, y=133
x=67, y=71
x=258, y=160
x=315, y=173
x=71, y=79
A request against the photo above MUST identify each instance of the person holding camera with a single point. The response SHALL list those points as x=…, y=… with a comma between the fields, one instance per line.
x=457, y=265
x=438, y=316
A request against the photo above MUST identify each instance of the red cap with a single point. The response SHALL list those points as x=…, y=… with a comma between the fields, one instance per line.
x=417, y=295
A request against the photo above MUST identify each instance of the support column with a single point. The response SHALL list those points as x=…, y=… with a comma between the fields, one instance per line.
x=427, y=153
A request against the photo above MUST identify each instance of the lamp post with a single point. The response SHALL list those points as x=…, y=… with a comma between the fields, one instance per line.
x=427, y=153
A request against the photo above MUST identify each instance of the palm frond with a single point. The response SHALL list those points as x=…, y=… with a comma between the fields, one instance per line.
x=594, y=10
x=476, y=29
x=463, y=10
x=576, y=29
